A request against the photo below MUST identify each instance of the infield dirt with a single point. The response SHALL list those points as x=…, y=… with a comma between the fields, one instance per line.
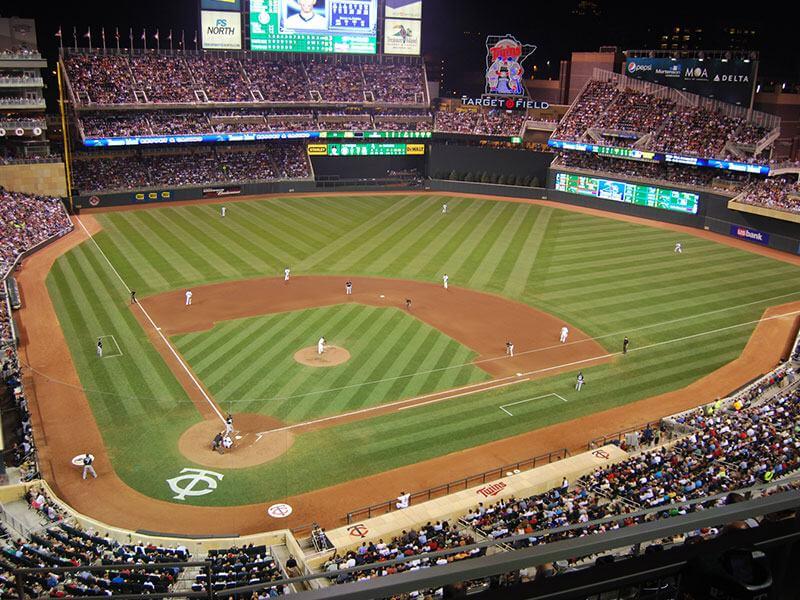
x=56, y=398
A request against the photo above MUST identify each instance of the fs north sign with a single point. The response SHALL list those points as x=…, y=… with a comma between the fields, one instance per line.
x=221, y=30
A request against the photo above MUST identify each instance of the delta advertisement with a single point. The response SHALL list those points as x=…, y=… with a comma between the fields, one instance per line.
x=402, y=36
x=221, y=30
x=730, y=81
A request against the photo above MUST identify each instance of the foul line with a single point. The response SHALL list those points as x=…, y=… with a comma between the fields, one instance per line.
x=515, y=379
x=488, y=387
x=155, y=327
x=502, y=406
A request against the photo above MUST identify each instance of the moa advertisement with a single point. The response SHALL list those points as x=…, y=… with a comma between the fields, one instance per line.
x=730, y=81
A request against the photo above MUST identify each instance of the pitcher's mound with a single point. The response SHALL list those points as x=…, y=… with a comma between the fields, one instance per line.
x=257, y=439
x=332, y=356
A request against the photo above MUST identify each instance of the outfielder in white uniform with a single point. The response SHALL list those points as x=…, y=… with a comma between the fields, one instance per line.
x=321, y=345
x=222, y=211
x=286, y=272
x=188, y=297
x=445, y=279
x=678, y=248
x=564, y=334
x=444, y=209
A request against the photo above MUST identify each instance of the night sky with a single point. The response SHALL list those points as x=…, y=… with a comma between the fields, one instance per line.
x=557, y=27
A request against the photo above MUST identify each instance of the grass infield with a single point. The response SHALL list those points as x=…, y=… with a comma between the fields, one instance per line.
x=609, y=278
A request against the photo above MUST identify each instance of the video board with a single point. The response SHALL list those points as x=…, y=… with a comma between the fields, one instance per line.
x=370, y=149
x=318, y=26
x=630, y=193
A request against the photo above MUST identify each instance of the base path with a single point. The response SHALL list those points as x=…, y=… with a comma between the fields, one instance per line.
x=482, y=322
x=56, y=398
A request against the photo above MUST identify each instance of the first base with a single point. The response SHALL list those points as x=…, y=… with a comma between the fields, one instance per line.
x=382, y=296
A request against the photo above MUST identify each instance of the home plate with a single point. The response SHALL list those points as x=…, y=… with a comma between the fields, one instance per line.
x=238, y=437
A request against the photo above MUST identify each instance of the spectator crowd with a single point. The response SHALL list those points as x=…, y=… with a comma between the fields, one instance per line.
x=179, y=78
x=201, y=167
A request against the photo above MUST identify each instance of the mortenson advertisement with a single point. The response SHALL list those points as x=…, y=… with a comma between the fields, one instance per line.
x=730, y=81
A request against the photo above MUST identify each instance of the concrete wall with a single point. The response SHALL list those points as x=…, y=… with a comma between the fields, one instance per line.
x=45, y=179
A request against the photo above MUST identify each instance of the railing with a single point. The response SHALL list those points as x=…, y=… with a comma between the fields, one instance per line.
x=617, y=436
x=458, y=485
x=15, y=523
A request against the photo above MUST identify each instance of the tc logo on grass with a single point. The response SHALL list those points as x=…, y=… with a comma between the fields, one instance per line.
x=193, y=477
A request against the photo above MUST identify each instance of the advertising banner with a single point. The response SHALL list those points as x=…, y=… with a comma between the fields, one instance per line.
x=233, y=5
x=730, y=81
x=402, y=36
x=221, y=30
x=505, y=56
x=403, y=9
x=751, y=235
x=219, y=192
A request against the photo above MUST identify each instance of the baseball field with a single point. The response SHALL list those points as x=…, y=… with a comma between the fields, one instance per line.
x=419, y=383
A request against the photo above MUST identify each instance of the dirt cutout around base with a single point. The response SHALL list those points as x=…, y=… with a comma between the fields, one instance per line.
x=332, y=357
x=273, y=441
x=49, y=373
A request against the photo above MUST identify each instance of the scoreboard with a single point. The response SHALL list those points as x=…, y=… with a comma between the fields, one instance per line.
x=332, y=26
x=630, y=193
x=369, y=149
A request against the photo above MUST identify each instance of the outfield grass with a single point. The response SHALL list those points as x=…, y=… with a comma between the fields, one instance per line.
x=609, y=278
x=248, y=364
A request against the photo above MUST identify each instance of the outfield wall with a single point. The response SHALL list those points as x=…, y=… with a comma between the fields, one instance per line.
x=443, y=158
x=713, y=212
x=177, y=194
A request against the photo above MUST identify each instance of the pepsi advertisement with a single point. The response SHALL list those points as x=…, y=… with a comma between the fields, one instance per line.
x=729, y=81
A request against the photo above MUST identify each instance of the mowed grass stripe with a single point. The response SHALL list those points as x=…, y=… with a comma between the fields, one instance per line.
x=379, y=326
x=152, y=268
x=117, y=248
x=283, y=236
x=461, y=263
x=450, y=242
x=176, y=246
x=389, y=236
x=128, y=334
x=248, y=384
x=256, y=259
x=497, y=253
x=524, y=264
x=363, y=231
x=213, y=256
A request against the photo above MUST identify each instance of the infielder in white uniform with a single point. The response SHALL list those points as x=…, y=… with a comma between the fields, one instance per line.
x=286, y=272
x=510, y=348
x=579, y=381
x=188, y=297
x=678, y=248
x=564, y=334
x=321, y=345
x=445, y=279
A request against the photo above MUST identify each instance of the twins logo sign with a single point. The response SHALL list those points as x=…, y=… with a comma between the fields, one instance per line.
x=504, y=58
x=192, y=479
